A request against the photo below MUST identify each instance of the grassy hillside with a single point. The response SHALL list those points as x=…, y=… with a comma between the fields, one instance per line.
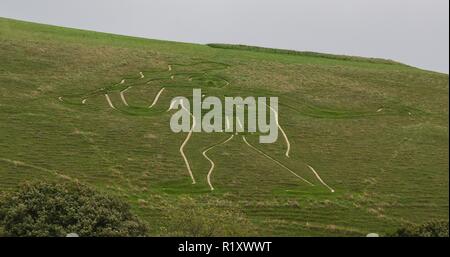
x=302, y=53
x=376, y=132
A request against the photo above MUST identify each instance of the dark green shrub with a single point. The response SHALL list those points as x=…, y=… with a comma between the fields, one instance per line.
x=429, y=229
x=44, y=209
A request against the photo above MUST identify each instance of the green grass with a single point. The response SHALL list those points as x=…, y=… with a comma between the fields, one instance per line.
x=388, y=167
x=303, y=53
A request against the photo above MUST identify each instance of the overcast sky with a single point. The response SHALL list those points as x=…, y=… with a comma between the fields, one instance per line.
x=410, y=31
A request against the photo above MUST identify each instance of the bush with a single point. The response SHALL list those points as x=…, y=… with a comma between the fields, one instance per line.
x=194, y=219
x=429, y=229
x=59, y=209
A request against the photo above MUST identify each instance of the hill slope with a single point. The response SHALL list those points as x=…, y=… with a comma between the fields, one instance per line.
x=75, y=105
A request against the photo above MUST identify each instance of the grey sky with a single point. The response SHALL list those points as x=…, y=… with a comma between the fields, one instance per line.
x=415, y=32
